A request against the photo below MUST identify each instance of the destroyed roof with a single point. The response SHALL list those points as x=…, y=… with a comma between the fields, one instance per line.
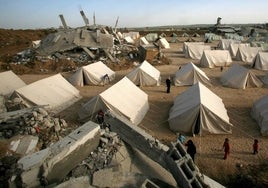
x=69, y=39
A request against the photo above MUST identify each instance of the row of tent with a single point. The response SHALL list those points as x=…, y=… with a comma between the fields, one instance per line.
x=236, y=76
x=93, y=74
x=145, y=74
x=202, y=111
x=253, y=56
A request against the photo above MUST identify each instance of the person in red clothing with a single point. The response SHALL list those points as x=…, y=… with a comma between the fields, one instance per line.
x=226, y=148
x=255, y=146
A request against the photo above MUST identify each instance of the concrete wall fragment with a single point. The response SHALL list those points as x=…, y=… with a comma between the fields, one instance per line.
x=52, y=164
x=70, y=151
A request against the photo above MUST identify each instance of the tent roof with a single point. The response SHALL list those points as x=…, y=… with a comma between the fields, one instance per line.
x=149, y=69
x=215, y=58
x=123, y=98
x=225, y=43
x=238, y=76
x=54, y=91
x=91, y=74
x=234, y=47
x=261, y=61
x=164, y=43
x=195, y=50
x=186, y=44
x=190, y=74
x=247, y=53
x=259, y=112
x=199, y=101
x=144, y=73
x=9, y=82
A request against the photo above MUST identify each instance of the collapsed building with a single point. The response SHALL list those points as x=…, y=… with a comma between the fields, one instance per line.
x=87, y=44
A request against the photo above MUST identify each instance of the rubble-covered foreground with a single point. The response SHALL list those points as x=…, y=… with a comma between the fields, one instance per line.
x=43, y=151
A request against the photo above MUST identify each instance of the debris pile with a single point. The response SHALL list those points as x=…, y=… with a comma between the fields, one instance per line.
x=31, y=121
x=100, y=158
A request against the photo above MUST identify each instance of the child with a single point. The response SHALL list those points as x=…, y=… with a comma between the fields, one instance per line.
x=181, y=138
x=226, y=148
x=255, y=146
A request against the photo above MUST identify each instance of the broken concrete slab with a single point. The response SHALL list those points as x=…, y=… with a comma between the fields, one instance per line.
x=33, y=160
x=112, y=177
x=30, y=166
x=70, y=151
x=24, y=145
x=54, y=163
x=81, y=182
x=2, y=104
x=174, y=159
x=74, y=38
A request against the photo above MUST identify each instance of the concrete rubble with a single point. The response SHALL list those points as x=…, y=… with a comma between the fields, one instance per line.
x=52, y=164
x=34, y=121
x=87, y=44
x=114, y=154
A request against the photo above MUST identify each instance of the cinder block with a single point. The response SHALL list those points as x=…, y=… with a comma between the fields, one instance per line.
x=149, y=184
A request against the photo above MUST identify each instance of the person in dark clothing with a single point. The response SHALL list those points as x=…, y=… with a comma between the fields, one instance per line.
x=100, y=116
x=191, y=149
x=168, y=84
x=255, y=146
x=226, y=148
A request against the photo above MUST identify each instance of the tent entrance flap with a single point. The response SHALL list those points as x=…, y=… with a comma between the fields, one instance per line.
x=197, y=125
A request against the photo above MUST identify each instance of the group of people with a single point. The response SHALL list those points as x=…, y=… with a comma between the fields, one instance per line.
x=227, y=148
x=191, y=148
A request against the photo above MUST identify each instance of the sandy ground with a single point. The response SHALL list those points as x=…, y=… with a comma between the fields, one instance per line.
x=238, y=103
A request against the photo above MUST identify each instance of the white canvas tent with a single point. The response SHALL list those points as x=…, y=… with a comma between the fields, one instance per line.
x=129, y=40
x=123, y=98
x=247, y=54
x=240, y=77
x=54, y=91
x=259, y=112
x=143, y=41
x=190, y=74
x=9, y=82
x=265, y=79
x=92, y=74
x=199, y=111
x=145, y=75
x=215, y=58
x=234, y=47
x=186, y=44
x=261, y=61
x=224, y=44
x=195, y=51
x=163, y=43
x=133, y=34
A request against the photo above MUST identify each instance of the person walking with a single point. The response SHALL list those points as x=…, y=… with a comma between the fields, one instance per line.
x=168, y=84
x=226, y=148
x=181, y=138
x=191, y=149
x=255, y=146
